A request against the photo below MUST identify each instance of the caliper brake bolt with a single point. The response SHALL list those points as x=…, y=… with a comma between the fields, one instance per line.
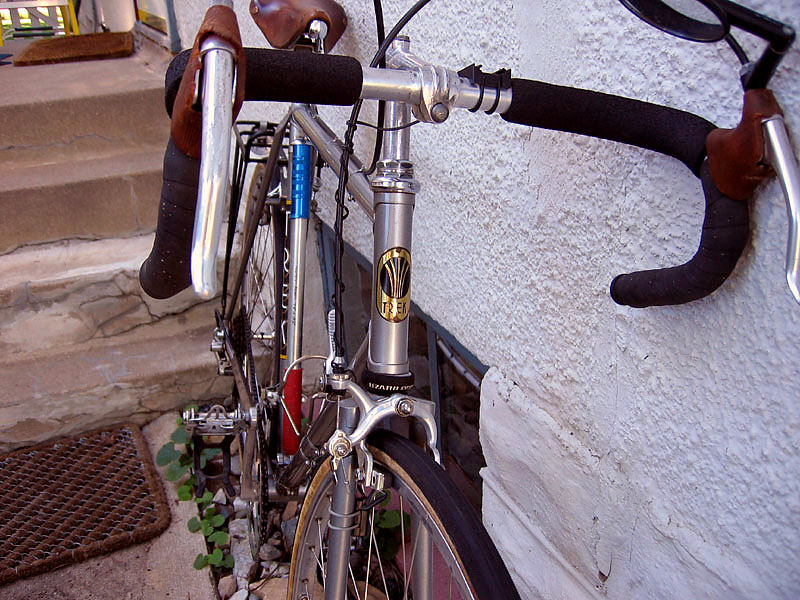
x=404, y=408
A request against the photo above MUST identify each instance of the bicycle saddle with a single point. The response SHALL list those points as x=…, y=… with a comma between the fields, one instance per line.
x=284, y=21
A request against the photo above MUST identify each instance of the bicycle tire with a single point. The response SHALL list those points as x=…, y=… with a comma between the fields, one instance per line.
x=462, y=544
x=258, y=318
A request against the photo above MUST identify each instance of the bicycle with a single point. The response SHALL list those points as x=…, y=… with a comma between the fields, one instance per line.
x=367, y=468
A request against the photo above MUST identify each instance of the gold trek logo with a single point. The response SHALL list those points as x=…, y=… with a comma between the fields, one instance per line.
x=393, y=297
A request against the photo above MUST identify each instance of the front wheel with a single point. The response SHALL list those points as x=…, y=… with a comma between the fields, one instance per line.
x=422, y=541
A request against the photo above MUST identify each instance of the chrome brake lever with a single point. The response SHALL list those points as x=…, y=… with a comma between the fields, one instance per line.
x=780, y=156
x=219, y=81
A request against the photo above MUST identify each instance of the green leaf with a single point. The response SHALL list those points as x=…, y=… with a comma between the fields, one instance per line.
x=210, y=452
x=388, y=546
x=217, y=520
x=200, y=561
x=175, y=472
x=210, y=512
x=203, y=461
x=389, y=519
x=220, y=538
x=166, y=454
x=205, y=498
x=185, y=460
x=180, y=436
x=185, y=492
x=385, y=502
x=227, y=562
x=208, y=529
x=215, y=558
x=193, y=524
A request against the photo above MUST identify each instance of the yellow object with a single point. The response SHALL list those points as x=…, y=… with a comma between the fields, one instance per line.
x=23, y=14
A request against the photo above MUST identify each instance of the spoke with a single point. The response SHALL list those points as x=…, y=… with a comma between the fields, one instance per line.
x=321, y=557
x=403, y=538
x=378, y=555
x=369, y=549
x=413, y=556
x=355, y=585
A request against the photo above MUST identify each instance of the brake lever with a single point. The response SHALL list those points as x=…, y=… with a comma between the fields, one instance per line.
x=780, y=156
x=217, y=98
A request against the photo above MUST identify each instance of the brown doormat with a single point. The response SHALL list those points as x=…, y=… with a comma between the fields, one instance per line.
x=69, y=48
x=66, y=501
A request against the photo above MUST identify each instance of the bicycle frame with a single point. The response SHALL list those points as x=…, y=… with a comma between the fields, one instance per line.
x=351, y=412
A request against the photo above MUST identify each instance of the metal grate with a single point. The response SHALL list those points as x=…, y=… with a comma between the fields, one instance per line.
x=68, y=500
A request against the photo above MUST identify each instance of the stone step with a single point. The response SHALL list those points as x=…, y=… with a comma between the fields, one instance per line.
x=53, y=113
x=72, y=292
x=132, y=377
x=113, y=196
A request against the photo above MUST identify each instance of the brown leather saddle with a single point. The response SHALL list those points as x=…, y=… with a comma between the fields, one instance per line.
x=284, y=21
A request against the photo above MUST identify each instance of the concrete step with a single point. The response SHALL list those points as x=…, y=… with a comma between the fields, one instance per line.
x=53, y=113
x=113, y=196
x=132, y=377
x=72, y=292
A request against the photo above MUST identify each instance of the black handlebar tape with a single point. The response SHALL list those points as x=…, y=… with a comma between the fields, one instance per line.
x=726, y=229
x=666, y=130
x=286, y=76
x=166, y=271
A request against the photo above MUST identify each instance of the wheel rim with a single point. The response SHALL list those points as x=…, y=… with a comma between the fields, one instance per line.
x=257, y=298
x=389, y=576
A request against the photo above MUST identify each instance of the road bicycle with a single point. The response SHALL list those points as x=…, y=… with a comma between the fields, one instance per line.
x=327, y=450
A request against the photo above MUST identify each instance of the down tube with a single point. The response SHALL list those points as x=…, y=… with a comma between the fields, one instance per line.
x=301, y=172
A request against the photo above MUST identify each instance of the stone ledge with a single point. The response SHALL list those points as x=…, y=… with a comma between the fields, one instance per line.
x=133, y=377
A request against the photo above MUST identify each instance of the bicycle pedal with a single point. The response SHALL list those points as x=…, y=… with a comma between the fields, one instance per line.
x=215, y=421
x=199, y=444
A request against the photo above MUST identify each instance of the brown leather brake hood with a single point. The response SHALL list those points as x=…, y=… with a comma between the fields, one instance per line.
x=735, y=156
x=187, y=122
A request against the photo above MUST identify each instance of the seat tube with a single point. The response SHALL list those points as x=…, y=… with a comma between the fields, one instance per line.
x=394, y=189
x=301, y=163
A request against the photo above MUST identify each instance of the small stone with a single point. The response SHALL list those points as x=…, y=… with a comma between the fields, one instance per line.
x=236, y=465
x=238, y=529
x=220, y=497
x=226, y=587
x=269, y=552
x=289, y=528
x=244, y=567
x=290, y=510
x=271, y=589
x=273, y=569
x=240, y=507
x=276, y=540
x=240, y=595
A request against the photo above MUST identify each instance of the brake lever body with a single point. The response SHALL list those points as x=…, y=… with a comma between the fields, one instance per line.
x=780, y=156
x=217, y=98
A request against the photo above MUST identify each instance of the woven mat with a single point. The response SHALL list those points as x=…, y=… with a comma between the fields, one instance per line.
x=66, y=501
x=70, y=48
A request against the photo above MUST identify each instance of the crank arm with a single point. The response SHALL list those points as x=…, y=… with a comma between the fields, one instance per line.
x=780, y=156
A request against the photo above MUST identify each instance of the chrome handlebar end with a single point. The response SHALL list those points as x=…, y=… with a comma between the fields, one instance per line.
x=217, y=96
x=780, y=156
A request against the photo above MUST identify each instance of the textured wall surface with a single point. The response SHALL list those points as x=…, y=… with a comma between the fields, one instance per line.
x=631, y=453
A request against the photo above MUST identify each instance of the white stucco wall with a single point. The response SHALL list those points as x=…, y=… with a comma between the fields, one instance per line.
x=631, y=453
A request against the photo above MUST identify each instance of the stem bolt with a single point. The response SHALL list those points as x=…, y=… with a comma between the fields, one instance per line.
x=440, y=112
